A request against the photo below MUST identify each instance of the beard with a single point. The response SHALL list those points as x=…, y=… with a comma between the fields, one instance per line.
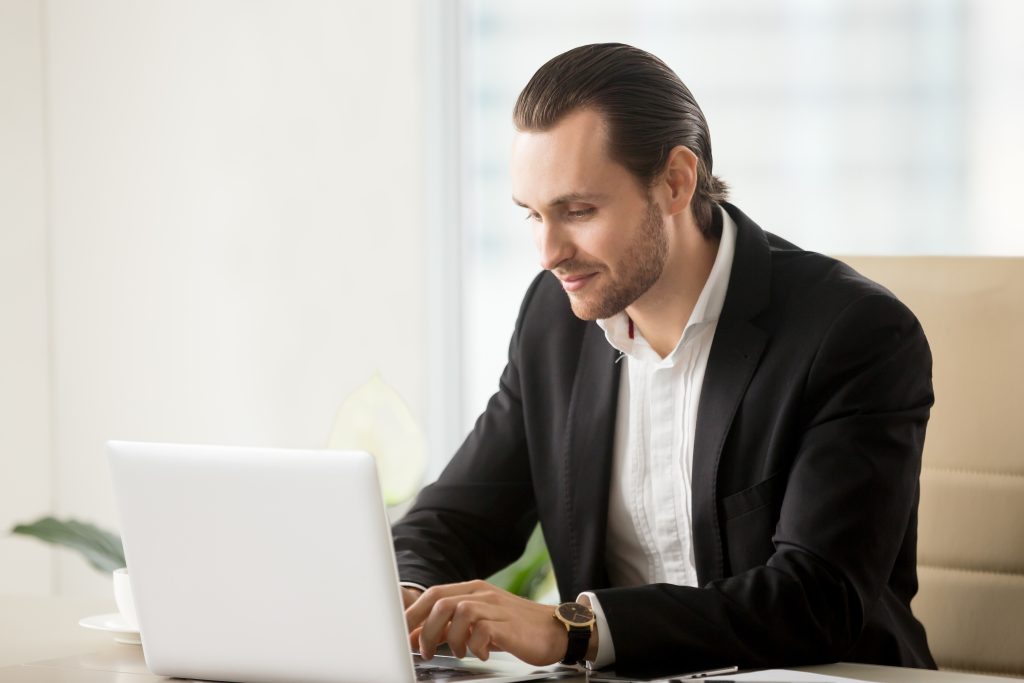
x=639, y=268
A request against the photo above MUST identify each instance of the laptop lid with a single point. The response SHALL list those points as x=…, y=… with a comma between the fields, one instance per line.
x=260, y=564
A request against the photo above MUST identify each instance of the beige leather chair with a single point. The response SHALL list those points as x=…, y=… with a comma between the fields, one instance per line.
x=971, y=529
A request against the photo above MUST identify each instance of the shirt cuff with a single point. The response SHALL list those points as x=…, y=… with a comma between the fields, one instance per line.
x=605, y=647
x=410, y=584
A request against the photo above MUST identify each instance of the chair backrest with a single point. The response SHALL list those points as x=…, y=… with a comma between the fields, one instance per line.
x=971, y=526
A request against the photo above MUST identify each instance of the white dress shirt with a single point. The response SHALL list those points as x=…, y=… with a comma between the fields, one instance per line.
x=649, y=536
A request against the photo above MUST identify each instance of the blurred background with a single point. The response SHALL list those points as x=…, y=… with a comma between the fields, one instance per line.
x=219, y=219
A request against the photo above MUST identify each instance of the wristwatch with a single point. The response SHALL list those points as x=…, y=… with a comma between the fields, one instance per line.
x=579, y=622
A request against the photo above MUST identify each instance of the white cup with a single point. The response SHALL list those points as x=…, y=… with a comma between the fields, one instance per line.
x=123, y=598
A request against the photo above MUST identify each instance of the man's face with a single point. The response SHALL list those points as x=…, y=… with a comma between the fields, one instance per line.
x=595, y=227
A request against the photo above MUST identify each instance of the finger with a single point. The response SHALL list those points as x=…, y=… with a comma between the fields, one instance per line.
x=464, y=619
x=435, y=626
x=415, y=643
x=416, y=613
x=442, y=639
x=479, y=642
x=414, y=639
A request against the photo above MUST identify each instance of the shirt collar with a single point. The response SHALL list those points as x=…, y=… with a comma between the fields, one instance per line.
x=622, y=335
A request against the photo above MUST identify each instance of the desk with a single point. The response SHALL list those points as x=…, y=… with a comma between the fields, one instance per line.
x=40, y=627
x=124, y=664
x=46, y=632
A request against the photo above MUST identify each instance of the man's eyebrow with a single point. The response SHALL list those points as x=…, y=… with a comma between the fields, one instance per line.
x=570, y=197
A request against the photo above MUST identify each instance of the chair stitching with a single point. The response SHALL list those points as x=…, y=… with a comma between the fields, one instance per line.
x=1018, y=574
x=977, y=473
x=983, y=672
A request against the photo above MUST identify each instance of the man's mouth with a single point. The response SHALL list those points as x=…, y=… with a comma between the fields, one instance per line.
x=574, y=283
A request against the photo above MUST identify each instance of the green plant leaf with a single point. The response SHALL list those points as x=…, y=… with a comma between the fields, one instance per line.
x=526, y=575
x=374, y=418
x=100, y=548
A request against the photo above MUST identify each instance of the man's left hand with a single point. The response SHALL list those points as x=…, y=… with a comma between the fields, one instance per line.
x=480, y=618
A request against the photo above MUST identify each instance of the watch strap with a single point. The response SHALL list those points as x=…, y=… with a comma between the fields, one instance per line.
x=579, y=640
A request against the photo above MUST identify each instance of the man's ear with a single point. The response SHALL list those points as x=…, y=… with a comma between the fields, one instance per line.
x=680, y=178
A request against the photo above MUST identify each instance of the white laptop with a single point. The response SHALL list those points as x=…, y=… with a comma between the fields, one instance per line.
x=253, y=564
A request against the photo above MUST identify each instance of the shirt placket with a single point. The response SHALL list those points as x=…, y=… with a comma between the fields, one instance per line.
x=683, y=459
x=643, y=496
x=665, y=477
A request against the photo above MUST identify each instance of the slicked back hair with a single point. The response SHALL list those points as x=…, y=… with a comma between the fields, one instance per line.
x=647, y=109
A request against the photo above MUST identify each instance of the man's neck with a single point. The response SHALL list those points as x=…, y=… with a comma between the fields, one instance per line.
x=662, y=312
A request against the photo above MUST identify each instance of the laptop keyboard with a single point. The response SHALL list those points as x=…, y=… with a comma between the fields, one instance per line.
x=429, y=673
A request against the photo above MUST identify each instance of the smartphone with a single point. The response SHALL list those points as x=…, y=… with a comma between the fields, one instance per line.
x=603, y=676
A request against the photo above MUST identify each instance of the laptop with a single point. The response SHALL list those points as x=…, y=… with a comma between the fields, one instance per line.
x=255, y=564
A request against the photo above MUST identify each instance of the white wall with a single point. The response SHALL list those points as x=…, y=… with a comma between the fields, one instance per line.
x=24, y=346
x=235, y=219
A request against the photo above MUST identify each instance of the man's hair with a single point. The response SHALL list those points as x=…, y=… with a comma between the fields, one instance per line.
x=647, y=110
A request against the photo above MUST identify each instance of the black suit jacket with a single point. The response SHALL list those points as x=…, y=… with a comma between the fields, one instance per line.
x=806, y=461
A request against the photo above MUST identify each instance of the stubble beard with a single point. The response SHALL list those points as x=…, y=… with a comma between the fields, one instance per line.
x=640, y=266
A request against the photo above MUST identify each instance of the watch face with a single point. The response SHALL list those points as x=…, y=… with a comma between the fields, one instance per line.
x=575, y=613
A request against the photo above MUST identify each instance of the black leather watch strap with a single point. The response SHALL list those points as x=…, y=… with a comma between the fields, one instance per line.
x=579, y=640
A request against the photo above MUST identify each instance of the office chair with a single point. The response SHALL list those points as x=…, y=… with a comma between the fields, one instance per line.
x=971, y=516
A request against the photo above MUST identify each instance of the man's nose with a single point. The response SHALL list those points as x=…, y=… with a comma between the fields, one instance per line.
x=553, y=246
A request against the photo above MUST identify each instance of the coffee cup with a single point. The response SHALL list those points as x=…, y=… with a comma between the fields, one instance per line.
x=123, y=598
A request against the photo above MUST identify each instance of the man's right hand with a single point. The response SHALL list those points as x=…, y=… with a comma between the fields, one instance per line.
x=410, y=595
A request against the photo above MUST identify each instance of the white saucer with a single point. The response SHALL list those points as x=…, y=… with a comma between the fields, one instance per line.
x=115, y=625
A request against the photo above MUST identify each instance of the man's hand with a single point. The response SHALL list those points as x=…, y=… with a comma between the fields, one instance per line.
x=480, y=618
x=409, y=596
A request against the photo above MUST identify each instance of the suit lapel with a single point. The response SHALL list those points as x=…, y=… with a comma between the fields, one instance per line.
x=734, y=355
x=586, y=465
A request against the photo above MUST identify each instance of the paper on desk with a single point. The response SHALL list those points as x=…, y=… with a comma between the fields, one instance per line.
x=783, y=676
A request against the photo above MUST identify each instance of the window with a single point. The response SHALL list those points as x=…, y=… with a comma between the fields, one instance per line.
x=868, y=127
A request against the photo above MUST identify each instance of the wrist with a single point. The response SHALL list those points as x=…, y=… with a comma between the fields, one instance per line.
x=592, y=647
x=578, y=621
x=560, y=640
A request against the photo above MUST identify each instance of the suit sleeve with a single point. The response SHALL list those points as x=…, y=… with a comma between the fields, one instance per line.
x=477, y=517
x=850, y=495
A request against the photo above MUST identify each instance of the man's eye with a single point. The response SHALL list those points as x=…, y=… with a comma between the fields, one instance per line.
x=581, y=213
x=531, y=216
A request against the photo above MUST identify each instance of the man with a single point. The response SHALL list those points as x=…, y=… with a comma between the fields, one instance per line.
x=719, y=433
